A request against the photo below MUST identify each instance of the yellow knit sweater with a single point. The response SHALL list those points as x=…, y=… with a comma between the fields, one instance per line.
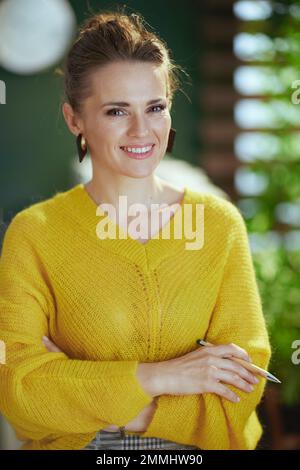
x=112, y=303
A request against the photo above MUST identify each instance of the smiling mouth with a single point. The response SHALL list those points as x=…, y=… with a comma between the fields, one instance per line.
x=138, y=155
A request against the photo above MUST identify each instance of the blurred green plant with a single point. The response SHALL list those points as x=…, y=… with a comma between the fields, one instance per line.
x=278, y=280
x=275, y=49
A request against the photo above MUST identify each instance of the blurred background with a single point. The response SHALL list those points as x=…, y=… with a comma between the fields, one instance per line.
x=237, y=118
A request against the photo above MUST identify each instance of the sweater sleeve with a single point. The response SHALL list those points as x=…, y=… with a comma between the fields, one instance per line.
x=45, y=392
x=209, y=421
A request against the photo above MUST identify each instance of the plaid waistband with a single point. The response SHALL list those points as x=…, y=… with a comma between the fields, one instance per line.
x=122, y=441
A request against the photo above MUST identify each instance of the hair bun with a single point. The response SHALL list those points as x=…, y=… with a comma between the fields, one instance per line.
x=110, y=36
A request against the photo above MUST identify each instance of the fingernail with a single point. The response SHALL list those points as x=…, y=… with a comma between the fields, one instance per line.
x=256, y=380
x=45, y=338
x=237, y=399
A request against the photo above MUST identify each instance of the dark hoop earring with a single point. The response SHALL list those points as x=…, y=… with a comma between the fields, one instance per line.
x=172, y=135
x=81, y=147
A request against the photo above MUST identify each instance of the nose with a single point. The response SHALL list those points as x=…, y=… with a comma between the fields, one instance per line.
x=138, y=127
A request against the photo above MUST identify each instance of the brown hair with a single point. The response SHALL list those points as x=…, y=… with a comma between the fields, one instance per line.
x=114, y=36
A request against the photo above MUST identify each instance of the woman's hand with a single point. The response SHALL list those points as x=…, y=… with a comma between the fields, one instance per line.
x=50, y=345
x=137, y=424
x=205, y=370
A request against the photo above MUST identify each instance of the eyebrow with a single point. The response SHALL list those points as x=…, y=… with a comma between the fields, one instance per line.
x=123, y=103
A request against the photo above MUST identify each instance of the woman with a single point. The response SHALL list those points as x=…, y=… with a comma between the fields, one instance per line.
x=122, y=308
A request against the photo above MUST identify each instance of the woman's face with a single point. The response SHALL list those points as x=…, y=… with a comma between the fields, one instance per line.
x=132, y=121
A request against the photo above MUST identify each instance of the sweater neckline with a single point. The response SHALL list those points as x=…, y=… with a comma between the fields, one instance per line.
x=144, y=254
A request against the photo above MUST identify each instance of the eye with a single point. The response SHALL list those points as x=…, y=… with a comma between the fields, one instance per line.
x=160, y=106
x=111, y=111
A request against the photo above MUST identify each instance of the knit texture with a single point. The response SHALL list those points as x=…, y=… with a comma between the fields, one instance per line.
x=112, y=303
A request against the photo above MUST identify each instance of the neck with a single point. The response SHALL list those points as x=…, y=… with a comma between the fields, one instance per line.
x=144, y=191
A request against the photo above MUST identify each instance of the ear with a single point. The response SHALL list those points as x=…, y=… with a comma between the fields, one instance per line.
x=72, y=119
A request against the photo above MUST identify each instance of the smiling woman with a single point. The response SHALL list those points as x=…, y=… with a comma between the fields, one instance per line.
x=122, y=369
x=119, y=96
x=119, y=137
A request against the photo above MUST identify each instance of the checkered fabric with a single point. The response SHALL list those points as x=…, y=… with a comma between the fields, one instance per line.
x=120, y=440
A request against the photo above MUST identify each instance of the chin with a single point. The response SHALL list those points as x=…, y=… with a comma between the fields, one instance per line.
x=141, y=172
x=139, y=175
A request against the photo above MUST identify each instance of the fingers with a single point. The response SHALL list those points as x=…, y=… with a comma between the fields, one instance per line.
x=233, y=379
x=228, y=350
x=227, y=364
x=50, y=345
x=225, y=392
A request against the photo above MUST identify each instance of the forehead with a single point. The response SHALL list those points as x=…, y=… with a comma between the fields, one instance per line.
x=131, y=80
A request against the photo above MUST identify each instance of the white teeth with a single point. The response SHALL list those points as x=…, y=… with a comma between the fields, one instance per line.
x=137, y=150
